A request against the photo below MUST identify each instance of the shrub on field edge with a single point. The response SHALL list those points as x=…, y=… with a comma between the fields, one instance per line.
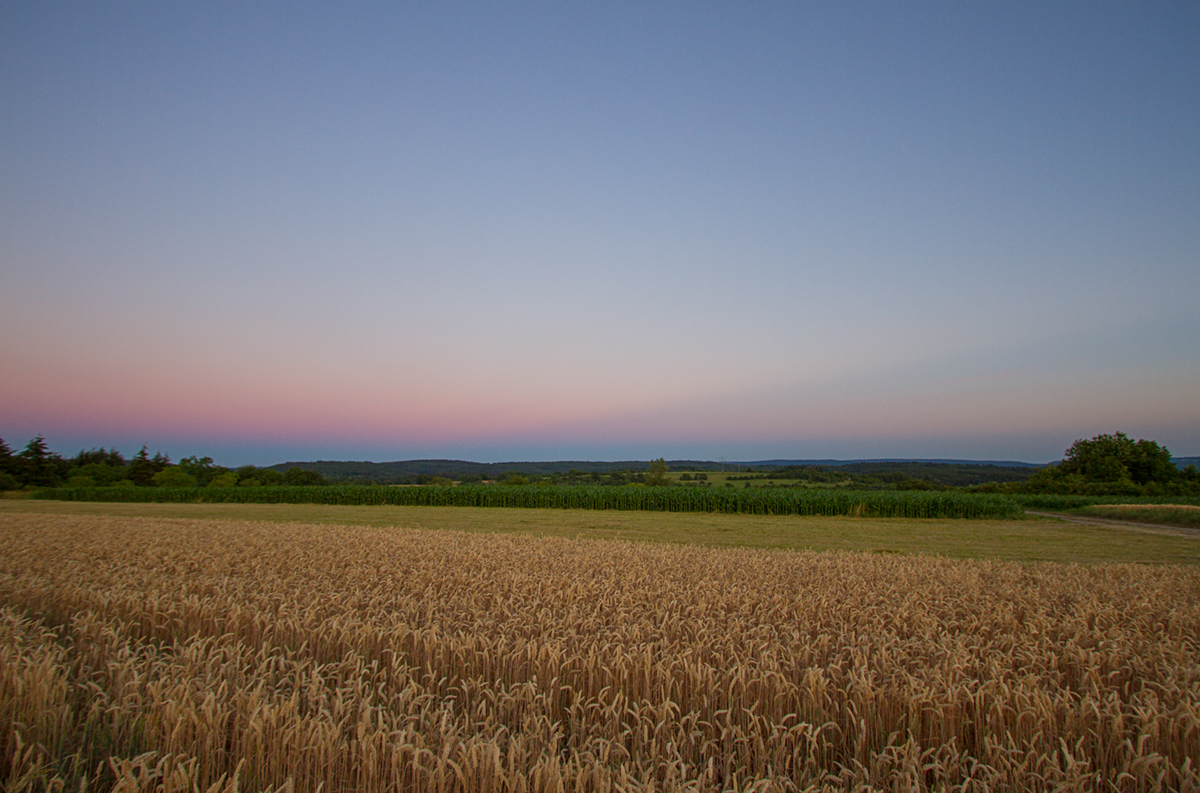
x=173, y=477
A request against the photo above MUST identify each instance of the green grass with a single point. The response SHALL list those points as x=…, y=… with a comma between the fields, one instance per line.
x=1023, y=540
x=1168, y=515
x=1057, y=502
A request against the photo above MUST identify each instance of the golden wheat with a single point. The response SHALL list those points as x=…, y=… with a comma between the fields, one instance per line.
x=178, y=655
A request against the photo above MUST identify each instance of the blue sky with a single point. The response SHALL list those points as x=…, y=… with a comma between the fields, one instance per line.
x=523, y=231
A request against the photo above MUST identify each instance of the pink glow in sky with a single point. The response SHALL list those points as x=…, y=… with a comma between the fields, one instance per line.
x=516, y=232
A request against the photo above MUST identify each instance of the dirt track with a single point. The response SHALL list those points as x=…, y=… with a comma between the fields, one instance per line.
x=1130, y=524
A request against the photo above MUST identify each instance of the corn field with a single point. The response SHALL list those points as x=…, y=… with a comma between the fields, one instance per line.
x=755, y=501
x=179, y=655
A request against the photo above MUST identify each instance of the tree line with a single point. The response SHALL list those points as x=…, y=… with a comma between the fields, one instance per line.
x=1105, y=465
x=36, y=466
x=887, y=475
x=1115, y=465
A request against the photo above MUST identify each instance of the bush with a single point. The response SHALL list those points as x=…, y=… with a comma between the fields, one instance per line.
x=300, y=476
x=656, y=476
x=1112, y=465
x=173, y=477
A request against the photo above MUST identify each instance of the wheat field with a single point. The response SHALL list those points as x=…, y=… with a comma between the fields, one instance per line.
x=182, y=655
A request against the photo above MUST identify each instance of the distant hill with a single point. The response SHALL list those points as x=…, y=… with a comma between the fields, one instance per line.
x=403, y=471
x=958, y=473
x=998, y=463
x=1184, y=462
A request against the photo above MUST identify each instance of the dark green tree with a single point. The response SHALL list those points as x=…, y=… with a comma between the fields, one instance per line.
x=249, y=476
x=300, y=476
x=1112, y=465
x=39, y=467
x=201, y=468
x=102, y=467
x=7, y=479
x=101, y=456
x=100, y=475
x=143, y=467
x=657, y=474
x=1111, y=458
x=174, y=476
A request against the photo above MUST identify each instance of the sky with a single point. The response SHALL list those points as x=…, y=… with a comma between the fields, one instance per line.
x=535, y=231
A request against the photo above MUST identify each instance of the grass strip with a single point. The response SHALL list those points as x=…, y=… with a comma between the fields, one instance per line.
x=1019, y=540
x=1184, y=516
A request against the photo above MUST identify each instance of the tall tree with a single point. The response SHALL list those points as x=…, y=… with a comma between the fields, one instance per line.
x=143, y=467
x=299, y=476
x=101, y=456
x=1112, y=465
x=1111, y=458
x=202, y=468
x=38, y=467
x=657, y=475
x=8, y=481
